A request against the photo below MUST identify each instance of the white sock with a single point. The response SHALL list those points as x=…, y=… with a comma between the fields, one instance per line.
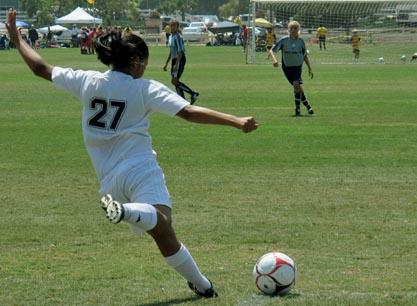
x=141, y=215
x=184, y=264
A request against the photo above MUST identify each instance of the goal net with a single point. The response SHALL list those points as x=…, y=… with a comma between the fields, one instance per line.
x=387, y=29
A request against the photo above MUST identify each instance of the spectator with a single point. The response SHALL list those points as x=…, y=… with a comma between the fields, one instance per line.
x=74, y=36
x=244, y=35
x=83, y=35
x=127, y=31
x=90, y=42
x=4, y=42
x=99, y=32
x=49, y=36
x=33, y=36
x=167, y=31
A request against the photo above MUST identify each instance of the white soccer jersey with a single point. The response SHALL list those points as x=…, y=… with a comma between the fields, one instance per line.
x=116, y=108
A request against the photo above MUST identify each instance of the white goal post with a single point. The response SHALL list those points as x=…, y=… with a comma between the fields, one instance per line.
x=377, y=20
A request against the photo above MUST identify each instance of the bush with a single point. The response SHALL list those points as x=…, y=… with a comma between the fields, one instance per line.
x=154, y=14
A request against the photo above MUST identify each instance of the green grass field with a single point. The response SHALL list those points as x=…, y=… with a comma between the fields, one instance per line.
x=336, y=192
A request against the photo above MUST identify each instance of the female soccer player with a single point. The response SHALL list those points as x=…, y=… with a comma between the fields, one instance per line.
x=116, y=107
x=294, y=53
x=178, y=60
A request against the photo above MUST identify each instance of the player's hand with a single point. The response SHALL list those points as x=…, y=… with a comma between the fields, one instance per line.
x=275, y=64
x=11, y=26
x=310, y=73
x=248, y=124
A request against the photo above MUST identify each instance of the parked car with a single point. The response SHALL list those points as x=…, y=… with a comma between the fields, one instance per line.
x=209, y=20
x=64, y=38
x=200, y=25
x=184, y=24
x=194, y=34
x=166, y=20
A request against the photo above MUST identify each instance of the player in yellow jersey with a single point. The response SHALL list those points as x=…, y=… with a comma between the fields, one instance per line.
x=355, y=41
x=270, y=40
x=321, y=35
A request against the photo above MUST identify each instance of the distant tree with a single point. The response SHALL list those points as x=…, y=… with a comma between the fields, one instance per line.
x=184, y=6
x=62, y=7
x=118, y=9
x=230, y=8
x=223, y=7
x=132, y=11
x=42, y=10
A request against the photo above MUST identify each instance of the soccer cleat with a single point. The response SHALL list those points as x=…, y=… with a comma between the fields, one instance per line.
x=114, y=210
x=194, y=97
x=297, y=113
x=311, y=112
x=209, y=293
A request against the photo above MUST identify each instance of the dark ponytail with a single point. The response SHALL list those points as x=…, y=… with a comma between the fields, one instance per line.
x=120, y=52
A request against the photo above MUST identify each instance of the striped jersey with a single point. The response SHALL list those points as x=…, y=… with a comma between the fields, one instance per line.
x=177, y=45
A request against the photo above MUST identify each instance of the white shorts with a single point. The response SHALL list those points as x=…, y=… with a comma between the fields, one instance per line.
x=138, y=181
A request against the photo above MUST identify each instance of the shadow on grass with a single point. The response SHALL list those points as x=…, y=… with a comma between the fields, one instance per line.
x=171, y=302
x=288, y=296
x=291, y=295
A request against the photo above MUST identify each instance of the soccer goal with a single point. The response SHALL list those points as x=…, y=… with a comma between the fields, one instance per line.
x=387, y=29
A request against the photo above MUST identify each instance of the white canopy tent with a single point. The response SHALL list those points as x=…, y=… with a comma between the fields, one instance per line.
x=78, y=16
x=2, y=26
x=54, y=29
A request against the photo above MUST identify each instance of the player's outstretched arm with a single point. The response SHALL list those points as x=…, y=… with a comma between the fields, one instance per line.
x=205, y=115
x=273, y=58
x=32, y=59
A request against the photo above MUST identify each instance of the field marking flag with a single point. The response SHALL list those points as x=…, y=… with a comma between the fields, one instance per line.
x=91, y=1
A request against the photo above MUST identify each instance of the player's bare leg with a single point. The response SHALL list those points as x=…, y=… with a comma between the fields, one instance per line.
x=177, y=255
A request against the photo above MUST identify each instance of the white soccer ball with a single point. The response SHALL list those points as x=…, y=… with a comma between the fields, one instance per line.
x=403, y=58
x=274, y=273
x=381, y=60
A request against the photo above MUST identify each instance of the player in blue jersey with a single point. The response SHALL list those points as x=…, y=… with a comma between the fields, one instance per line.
x=294, y=54
x=178, y=60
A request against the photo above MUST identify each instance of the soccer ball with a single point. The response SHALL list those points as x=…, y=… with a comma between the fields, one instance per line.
x=381, y=60
x=403, y=58
x=274, y=273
